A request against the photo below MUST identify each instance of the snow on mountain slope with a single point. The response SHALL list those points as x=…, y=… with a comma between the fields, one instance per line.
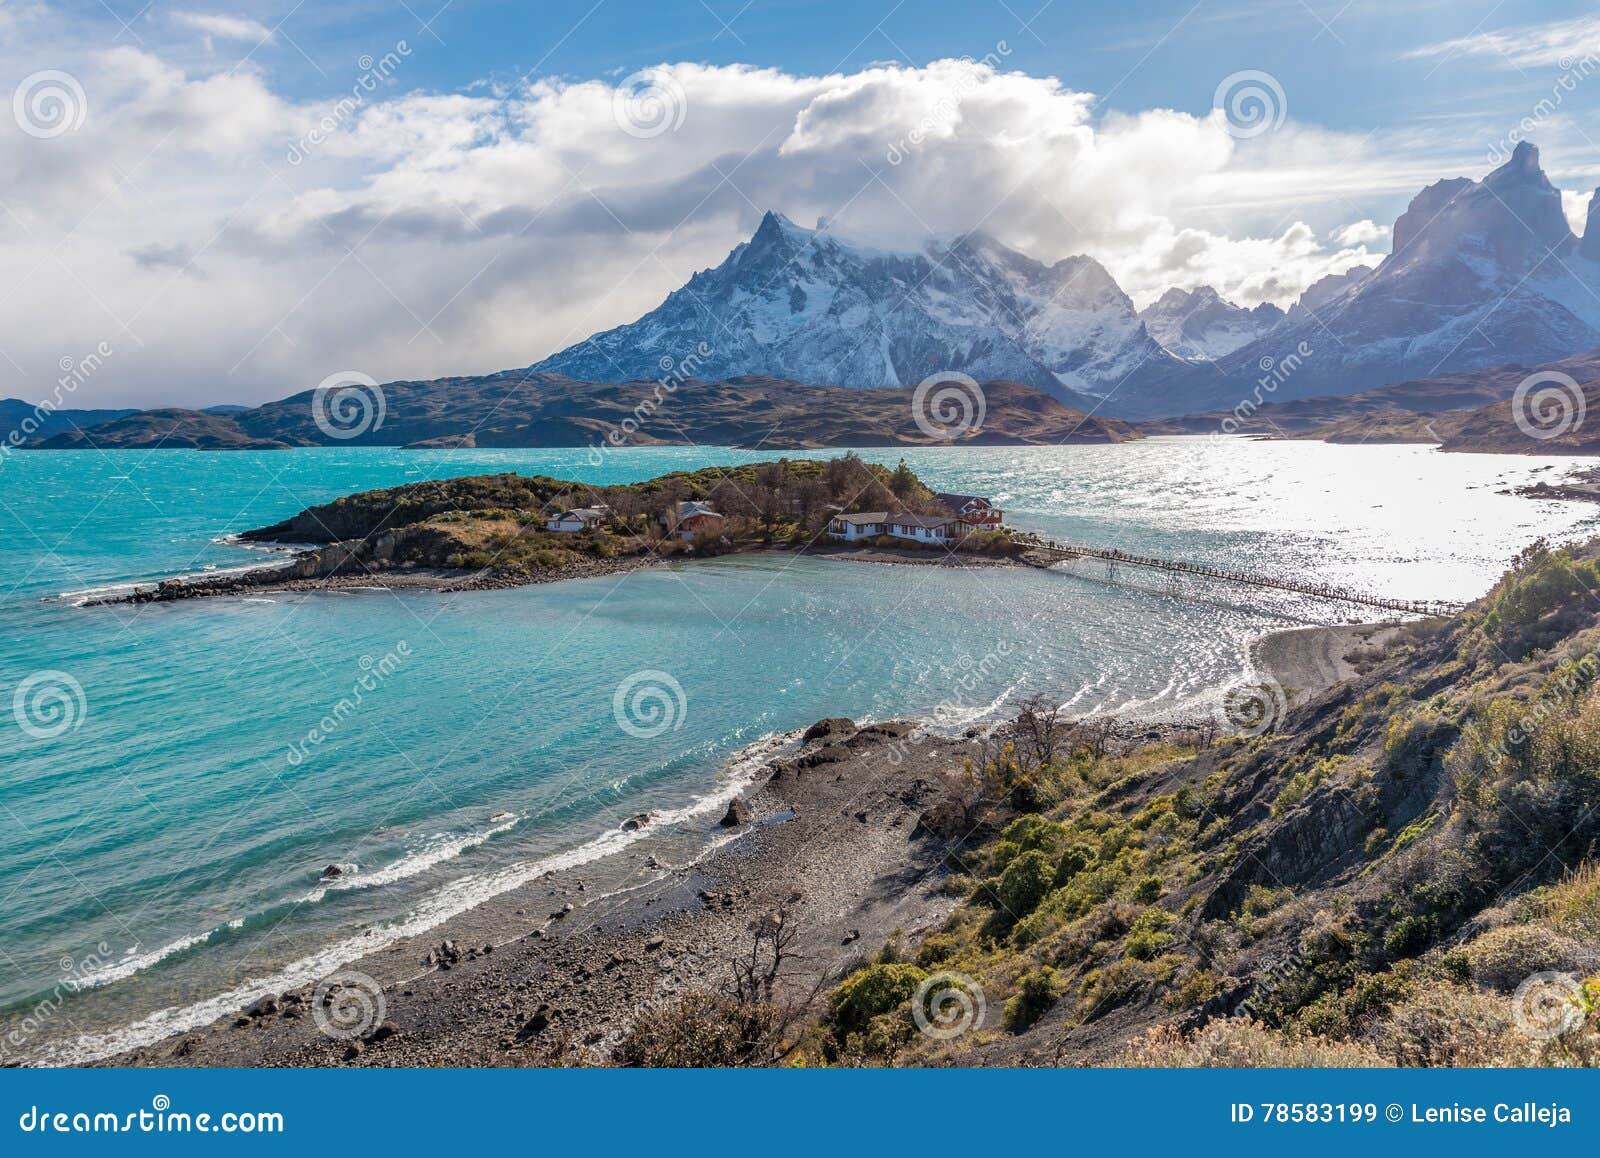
x=799, y=303
x=1483, y=273
x=1201, y=326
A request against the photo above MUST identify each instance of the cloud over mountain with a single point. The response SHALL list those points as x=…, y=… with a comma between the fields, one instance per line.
x=405, y=233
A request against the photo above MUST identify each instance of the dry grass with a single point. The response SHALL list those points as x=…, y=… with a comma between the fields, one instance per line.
x=1240, y=1043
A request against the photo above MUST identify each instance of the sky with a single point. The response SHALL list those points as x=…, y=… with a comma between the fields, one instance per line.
x=229, y=202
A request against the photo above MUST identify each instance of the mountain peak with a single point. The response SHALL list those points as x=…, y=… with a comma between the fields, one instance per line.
x=1590, y=246
x=1522, y=169
x=1512, y=219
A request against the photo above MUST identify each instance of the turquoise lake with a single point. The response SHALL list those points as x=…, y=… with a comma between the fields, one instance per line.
x=161, y=843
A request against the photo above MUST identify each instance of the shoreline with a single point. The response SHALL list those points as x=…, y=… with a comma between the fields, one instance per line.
x=307, y=571
x=552, y=971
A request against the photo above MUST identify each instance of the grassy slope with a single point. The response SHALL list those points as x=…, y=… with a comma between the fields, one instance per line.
x=1367, y=885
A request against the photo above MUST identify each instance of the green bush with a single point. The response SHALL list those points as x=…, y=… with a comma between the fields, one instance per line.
x=1037, y=993
x=1147, y=891
x=875, y=990
x=1027, y=881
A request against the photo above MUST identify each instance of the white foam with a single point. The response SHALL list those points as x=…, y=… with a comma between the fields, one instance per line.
x=449, y=901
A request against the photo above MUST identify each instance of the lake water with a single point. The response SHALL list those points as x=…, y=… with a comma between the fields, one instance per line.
x=174, y=777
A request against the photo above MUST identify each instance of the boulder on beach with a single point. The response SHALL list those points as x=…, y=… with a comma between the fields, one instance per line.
x=331, y=872
x=634, y=823
x=738, y=813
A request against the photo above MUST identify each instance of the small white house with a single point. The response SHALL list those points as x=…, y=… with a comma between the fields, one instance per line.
x=939, y=529
x=577, y=519
x=927, y=528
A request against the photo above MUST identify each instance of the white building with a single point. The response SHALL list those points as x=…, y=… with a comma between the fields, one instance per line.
x=932, y=529
x=577, y=519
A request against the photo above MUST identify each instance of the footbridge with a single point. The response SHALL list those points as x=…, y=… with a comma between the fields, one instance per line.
x=1065, y=551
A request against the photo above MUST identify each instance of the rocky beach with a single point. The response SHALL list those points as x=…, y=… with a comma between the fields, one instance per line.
x=838, y=836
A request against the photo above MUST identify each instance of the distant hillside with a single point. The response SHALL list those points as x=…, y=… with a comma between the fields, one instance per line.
x=1436, y=395
x=1460, y=412
x=525, y=409
x=31, y=419
x=172, y=429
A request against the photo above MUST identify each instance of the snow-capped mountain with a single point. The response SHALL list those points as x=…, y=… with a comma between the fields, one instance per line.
x=1201, y=326
x=1483, y=273
x=801, y=304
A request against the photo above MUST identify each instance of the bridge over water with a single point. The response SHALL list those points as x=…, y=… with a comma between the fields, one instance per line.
x=1064, y=550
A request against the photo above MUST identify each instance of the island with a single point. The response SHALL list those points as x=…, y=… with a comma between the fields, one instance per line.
x=506, y=530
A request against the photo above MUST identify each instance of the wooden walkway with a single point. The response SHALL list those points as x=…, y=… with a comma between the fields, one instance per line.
x=1173, y=567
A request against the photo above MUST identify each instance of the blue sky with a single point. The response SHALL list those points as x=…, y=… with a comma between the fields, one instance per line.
x=240, y=201
x=1347, y=61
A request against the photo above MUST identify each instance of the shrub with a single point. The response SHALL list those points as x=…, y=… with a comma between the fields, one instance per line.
x=1073, y=861
x=1408, y=936
x=1503, y=958
x=1027, y=834
x=1038, y=991
x=875, y=990
x=699, y=1031
x=1147, y=891
x=1026, y=881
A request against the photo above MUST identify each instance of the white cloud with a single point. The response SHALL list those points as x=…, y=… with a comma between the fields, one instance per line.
x=1566, y=44
x=1576, y=207
x=1367, y=232
x=420, y=234
x=220, y=27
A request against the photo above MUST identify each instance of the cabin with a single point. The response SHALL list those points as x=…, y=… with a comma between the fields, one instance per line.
x=578, y=519
x=860, y=525
x=689, y=519
x=932, y=529
x=975, y=510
